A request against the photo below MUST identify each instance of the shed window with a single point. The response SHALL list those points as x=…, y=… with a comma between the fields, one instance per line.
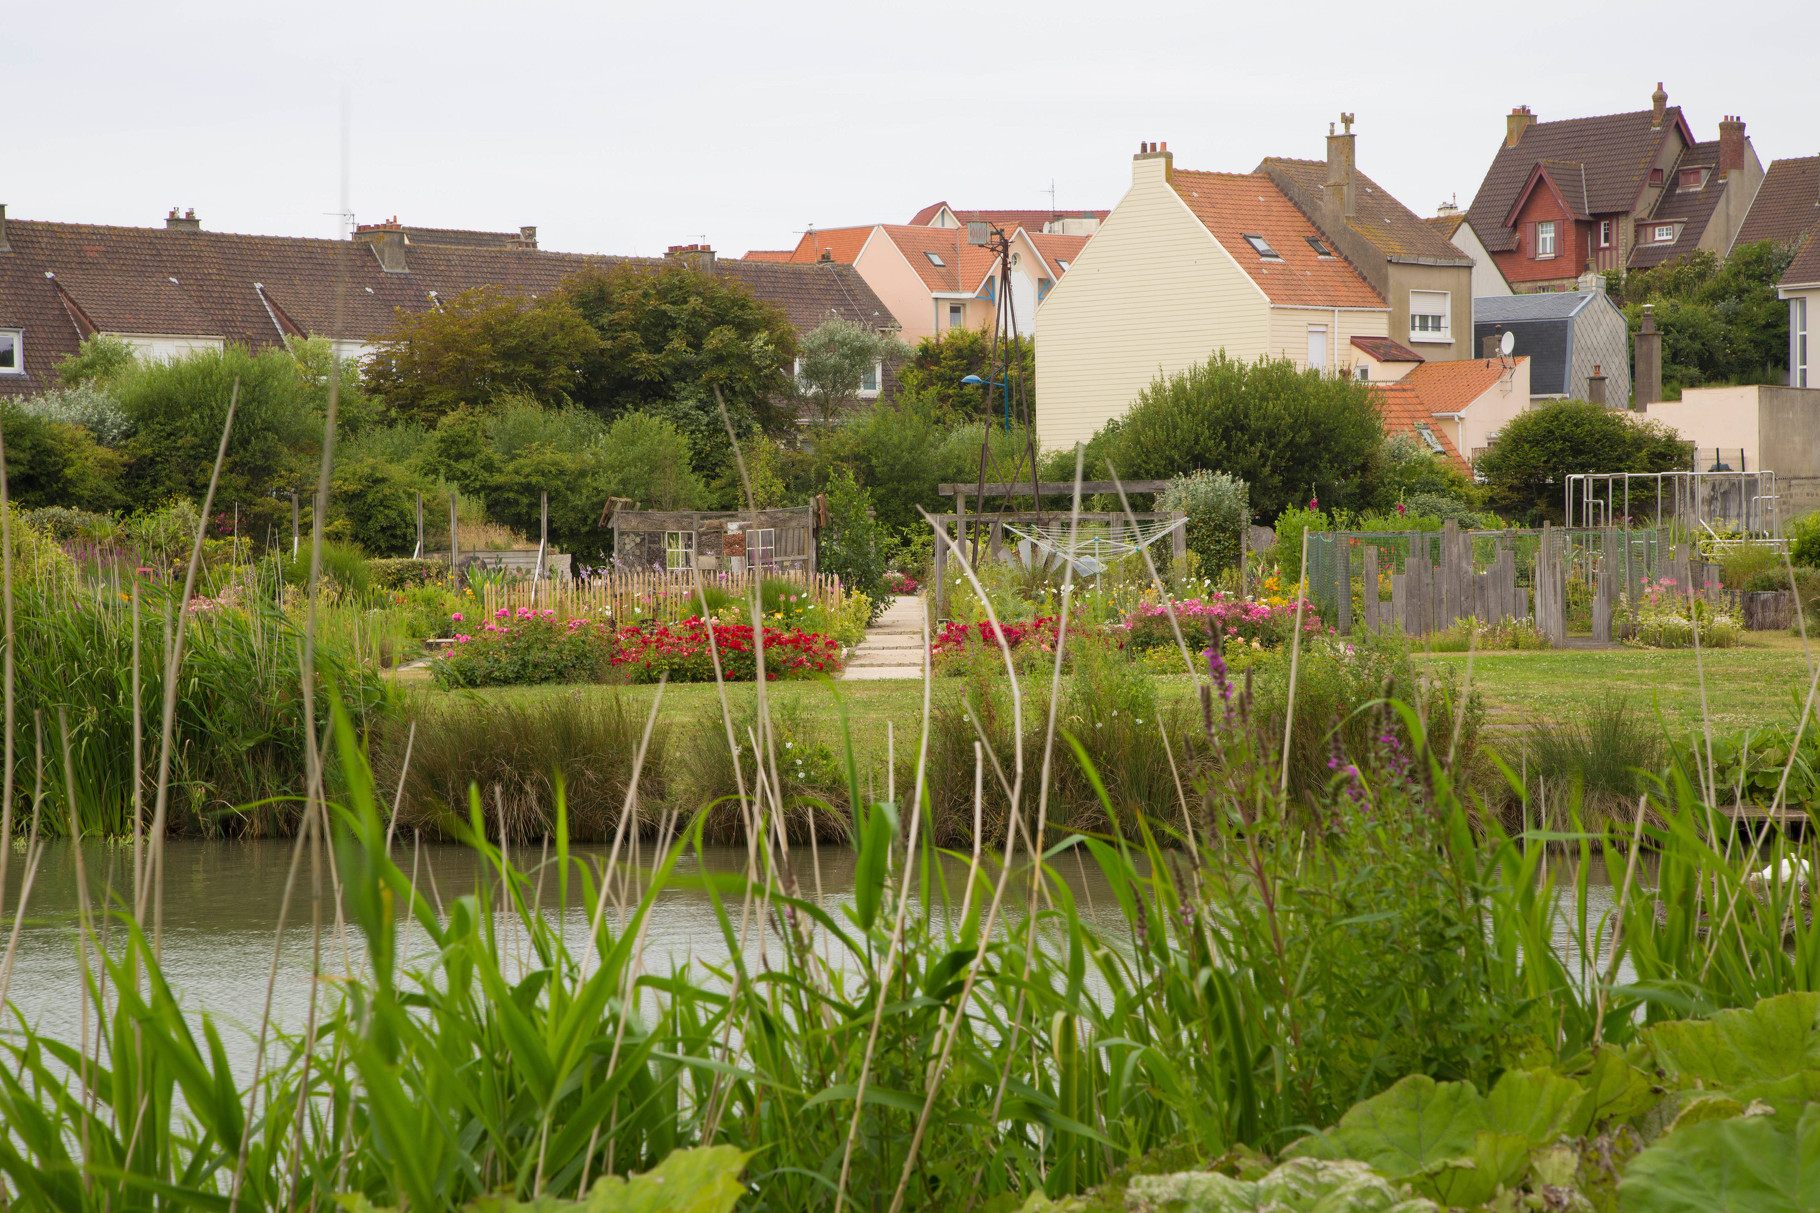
x=12, y=352
x=1262, y=246
x=679, y=549
x=1428, y=316
x=761, y=548
x=1604, y=233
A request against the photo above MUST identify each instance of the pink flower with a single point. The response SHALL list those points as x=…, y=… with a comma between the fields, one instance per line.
x=456, y=617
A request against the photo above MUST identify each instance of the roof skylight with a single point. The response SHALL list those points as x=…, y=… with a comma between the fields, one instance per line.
x=1262, y=246
x=934, y=258
x=1321, y=250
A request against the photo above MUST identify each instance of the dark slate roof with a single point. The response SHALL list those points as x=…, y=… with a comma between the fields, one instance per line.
x=1544, y=340
x=1386, y=350
x=1692, y=208
x=62, y=281
x=1392, y=228
x=1616, y=151
x=1787, y=205
x=1553, y=305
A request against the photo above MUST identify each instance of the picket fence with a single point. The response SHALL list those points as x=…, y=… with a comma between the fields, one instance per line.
x=639, y=596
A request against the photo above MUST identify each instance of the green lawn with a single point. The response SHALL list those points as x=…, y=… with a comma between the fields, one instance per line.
x=1750, y=685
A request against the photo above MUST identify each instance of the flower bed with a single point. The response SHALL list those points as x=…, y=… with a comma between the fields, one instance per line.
x=681, y=650
x=517, y=649
x=901, y=583
x=1147, y=627
x=1664, y=620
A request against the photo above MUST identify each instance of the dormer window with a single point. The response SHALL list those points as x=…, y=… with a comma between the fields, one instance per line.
x=1320, y=250
x=1263, y=247
x=934, y=258
x=1692, y=179
x=1664, y=233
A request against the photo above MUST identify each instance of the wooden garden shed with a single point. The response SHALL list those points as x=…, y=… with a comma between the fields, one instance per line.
x=716, y=540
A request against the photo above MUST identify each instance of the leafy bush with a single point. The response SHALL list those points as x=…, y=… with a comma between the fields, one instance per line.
x=852, y=545
x=1279, y=429
x=1444, y=508
x=90, y=408
x=1537, y=450
x=404, y=573
x=1211, y=620
x=1664, y=619
x=1218, y=507
x=526, y=648
x=1804, y=540
x=64, y=524
x=343, y=564
x=379, y=502
x=1473, y=633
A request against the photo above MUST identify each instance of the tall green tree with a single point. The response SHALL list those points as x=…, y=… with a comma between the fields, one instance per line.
x=478, y=348
x=1288, y=434
x=836, y=359
x=1721, y=321
x=1527, y=468
x=940, y=362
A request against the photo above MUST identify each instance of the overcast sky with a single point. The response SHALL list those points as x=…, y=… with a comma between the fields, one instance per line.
x=624, y=128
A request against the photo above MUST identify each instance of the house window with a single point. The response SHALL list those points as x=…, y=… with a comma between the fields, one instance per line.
x=1063, y=264
x=954, y=315
x=1426, y=433
x=12, y=352
x=1262, y=246
x=1317, y=347
x=1655, y=176
x=1042, y=288
x=679, y=549
x=1604, y=233
x=1428, y=316
x=761, y=548
x=1320, y=250
x=1362, y=373
x=1797, y=342
x=868, y=379
x=1545, y=238
x=1665, y=233
x=1691, y=179
x=934, y=258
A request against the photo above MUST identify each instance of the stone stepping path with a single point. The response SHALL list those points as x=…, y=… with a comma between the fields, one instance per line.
x=893, y=647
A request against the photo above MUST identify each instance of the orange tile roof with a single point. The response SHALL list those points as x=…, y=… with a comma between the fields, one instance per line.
x=1448, y=387
x=1233, y=205
x=964, y=266
x=770, y=254
x=1057, y=248
x=1402, y=408
x=842, y=243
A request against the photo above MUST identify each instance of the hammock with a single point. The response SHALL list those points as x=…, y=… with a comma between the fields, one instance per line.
x=1090, y=551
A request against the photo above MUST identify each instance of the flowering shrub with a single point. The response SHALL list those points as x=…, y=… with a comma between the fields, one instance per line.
x=516, y=649
x=900, y=583
x=1663, y=619
x=1147, y=627
x=681, y=650
x=958, y=636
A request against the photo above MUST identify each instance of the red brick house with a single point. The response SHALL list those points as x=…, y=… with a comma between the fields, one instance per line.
x=1608, y=193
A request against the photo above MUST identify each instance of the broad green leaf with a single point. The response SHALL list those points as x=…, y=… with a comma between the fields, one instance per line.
x=1615, y=1090
x=1704, y=1108
x=1497, y=1160
x=1777, y=1038
x=1538, y=1105
x=1303, y=1185
x=1416, y=1122
x=1748, y=1164
x=701, y=1180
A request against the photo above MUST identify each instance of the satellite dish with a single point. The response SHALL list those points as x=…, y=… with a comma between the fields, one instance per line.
x=1507, y=343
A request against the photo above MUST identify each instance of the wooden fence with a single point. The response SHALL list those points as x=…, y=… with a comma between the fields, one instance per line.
x=637, y=596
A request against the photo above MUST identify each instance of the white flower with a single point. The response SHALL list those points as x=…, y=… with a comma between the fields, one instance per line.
x=789, y=745
x=1140, y=720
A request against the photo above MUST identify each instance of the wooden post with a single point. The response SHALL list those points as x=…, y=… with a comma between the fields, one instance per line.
x=1399, y=600
x=1178, y=542
x=543, y=535
x=1450, y=575
x=293, y=526
x=418, y=553
x=1344, y=605
x=1602, y=595
x=1370, y=586
x=939, y=567
x=454, y=537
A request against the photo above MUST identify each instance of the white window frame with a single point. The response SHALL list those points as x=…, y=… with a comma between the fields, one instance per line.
x=1656, y=236
x=761, y=548
x=1317, y=364
x=957, y=316
x=1605, y=233
x=1444, y=333
x=1545, y=239
x=18, y=367
x=1797, y=341
x=878, y=378
x=935, y=259
x=679, y=550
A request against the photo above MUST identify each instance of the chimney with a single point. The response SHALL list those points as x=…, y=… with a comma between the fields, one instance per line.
x=527, y=236
x=4, y=246
x=1448, y=209
x=1492, y=347
x=1731, y=144
x=1658, y=104
x=698, y=257
x=1141, y=166
x=1340, y=193
x=388, y=244
x=188, y=223
x=1595, y=387
x=1647, y=382
x=1515, y=124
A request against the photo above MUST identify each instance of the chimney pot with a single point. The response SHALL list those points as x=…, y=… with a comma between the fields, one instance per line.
x=1516, y=123
x=188, y=222
x=1163, y=146
x=1340, y=191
